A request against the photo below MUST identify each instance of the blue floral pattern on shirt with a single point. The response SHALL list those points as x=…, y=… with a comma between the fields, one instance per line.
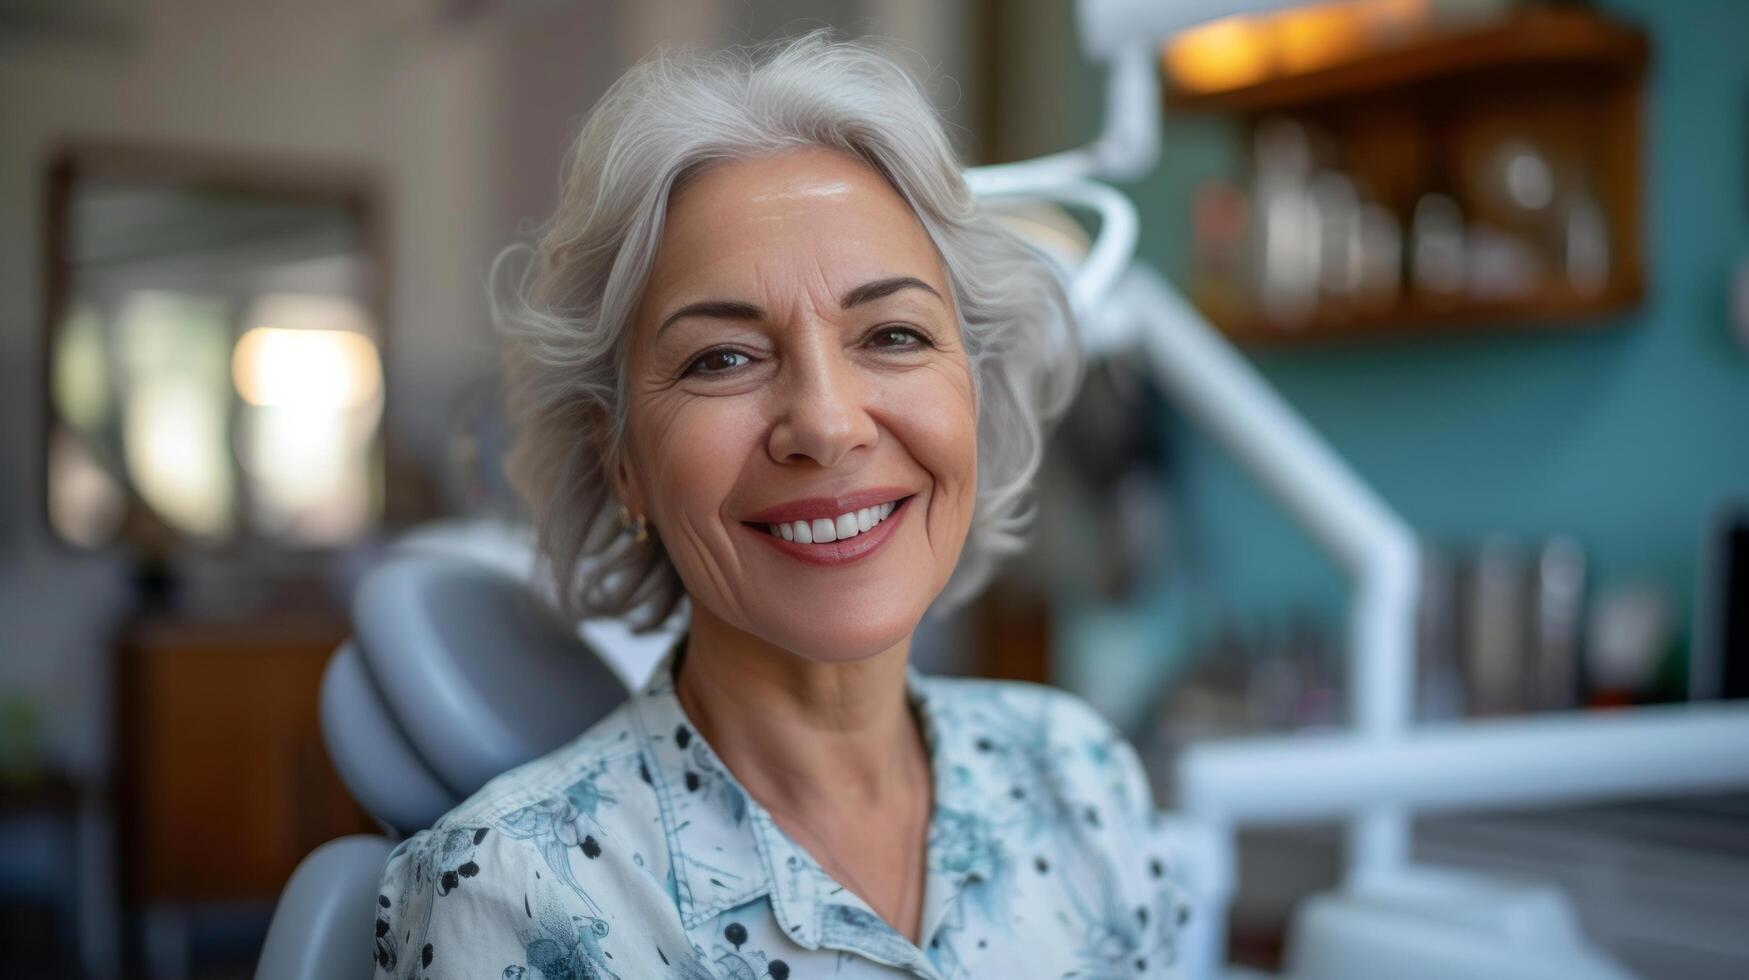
x=634, y=853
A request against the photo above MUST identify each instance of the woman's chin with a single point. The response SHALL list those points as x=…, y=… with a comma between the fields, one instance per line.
x=823, y=638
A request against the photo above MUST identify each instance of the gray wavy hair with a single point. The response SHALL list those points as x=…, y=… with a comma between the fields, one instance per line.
x=567, y=311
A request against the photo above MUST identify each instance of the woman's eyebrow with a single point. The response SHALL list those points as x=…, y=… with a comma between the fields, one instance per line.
x=720, y=309
x=868, y=292
x=728, y=309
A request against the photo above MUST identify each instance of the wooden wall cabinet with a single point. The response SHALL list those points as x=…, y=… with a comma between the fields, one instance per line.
x=1431, y=116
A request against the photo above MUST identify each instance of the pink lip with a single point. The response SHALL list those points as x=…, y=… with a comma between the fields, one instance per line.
x=838, y=552
x=814, y=508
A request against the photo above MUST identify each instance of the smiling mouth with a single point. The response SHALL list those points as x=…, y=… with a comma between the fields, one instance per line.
x=841, y=527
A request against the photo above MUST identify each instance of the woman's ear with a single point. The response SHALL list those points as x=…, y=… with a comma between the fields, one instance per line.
x=598, y=429
x=625, y=484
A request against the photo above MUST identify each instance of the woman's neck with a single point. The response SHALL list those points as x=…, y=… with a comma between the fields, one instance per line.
x=800, y=734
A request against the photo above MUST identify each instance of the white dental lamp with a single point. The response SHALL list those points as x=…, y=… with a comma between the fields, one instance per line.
x=1389, y=919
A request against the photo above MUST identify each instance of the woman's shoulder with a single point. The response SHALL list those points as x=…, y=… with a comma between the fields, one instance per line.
x=587, y=782
x=583, y=805
x=557, y=866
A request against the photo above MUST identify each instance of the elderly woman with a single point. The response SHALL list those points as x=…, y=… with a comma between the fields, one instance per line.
x=774, y=360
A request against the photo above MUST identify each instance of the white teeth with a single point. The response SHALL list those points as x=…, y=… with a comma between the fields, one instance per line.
x=827, y=529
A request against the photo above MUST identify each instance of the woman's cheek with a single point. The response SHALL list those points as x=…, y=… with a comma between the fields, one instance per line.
x=942, y=409
x=695, y=449
x=934, y=416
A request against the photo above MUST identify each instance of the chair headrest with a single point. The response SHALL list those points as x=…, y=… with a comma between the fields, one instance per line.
x=477, y=671
x=372, y=754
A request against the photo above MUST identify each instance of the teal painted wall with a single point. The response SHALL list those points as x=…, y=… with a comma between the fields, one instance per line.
x=1627, y=437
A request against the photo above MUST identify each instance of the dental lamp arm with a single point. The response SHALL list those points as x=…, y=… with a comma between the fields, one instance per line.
x=1125, y=36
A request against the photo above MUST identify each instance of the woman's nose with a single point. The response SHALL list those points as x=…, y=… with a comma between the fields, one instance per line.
x=822, y=417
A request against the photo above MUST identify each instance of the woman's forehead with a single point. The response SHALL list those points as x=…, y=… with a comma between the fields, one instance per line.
x=774, y=221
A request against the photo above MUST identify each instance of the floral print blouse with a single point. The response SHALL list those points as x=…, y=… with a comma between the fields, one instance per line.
x=634, y=853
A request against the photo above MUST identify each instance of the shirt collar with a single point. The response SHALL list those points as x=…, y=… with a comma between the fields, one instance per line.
x=716, y=853
x=725, y=849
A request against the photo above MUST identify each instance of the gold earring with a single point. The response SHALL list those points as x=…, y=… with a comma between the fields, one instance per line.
x=639, y=527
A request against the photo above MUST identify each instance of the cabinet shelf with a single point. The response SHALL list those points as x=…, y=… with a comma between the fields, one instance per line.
x=1552, y=309
x=1534, y=41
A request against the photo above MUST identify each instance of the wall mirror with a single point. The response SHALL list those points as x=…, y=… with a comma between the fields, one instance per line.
x=215, y=347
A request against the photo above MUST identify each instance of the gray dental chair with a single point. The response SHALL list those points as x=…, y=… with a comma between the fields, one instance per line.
x=455, y=672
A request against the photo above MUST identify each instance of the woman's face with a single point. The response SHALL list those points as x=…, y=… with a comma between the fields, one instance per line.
x=795, y=359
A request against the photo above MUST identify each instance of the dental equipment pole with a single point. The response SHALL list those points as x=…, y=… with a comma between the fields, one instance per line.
x=1224, y=394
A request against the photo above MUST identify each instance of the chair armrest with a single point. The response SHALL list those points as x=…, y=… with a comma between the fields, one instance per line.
x=321, y=929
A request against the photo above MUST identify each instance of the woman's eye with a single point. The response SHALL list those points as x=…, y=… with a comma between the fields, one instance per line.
x=718, y=362
x=897, y=338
